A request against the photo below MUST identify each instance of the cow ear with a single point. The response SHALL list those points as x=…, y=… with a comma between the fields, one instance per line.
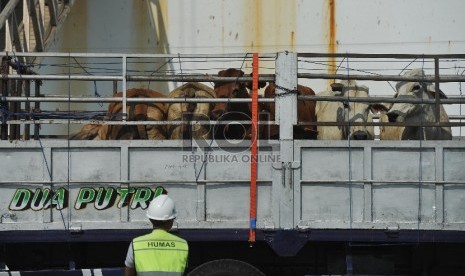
x=222, y=73
x=261, y=84
x=241, y=73
x=378, y=108
x=337, y=87
x=442, y=95
x=432, y=88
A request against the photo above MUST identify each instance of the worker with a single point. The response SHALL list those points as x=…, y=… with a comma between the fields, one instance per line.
x=158, y=253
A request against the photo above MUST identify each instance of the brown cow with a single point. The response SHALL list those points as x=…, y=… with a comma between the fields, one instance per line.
x=87, y=132
x=305, y=113
x=135, y=112
x=231, y=111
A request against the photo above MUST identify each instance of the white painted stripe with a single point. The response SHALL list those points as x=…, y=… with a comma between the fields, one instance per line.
x=98, y=272
x=86, y=272
x=10, y=273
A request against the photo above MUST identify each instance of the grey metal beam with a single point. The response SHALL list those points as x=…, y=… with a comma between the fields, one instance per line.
x=120, y=55
x=7, y=11
x=14, y=31
x=132, y=100
x=427, y=78
x=394, y=56
x=214, y=78
x=52, y=6
x=286, y=116
x=37, y=26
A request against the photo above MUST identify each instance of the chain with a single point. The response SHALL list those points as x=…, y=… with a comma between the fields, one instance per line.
x=286, y=91
x=4, y=67
x=3, y=104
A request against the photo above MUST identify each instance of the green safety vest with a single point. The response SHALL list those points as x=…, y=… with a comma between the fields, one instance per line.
x=160, y=253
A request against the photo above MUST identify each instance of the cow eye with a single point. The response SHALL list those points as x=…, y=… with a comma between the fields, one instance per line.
x=416, y=87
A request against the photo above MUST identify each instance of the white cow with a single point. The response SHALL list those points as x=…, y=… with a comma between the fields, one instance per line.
x=415, y=113
x=190, y=112
x=346, y=111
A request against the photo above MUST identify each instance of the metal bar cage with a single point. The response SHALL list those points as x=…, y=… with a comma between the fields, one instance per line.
x=71, y=88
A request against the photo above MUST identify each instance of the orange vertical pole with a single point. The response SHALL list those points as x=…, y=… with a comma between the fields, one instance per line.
x=253, y=151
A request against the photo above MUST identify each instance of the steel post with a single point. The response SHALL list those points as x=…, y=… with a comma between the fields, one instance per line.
x=286, y=117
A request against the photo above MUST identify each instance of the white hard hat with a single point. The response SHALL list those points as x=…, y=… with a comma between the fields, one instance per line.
x=161, y=208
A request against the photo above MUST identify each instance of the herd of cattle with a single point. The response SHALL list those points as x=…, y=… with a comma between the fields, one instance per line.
x=340, y=113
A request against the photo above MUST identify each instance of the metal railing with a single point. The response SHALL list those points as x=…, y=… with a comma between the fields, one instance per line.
x=17, y=88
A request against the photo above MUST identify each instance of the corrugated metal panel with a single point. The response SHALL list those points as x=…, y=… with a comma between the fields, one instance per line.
x=369, y=185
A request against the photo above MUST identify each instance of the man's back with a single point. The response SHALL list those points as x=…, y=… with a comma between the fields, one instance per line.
x=159, y=251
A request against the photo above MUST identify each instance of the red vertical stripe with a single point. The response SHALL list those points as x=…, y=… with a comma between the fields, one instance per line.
x=254, y=150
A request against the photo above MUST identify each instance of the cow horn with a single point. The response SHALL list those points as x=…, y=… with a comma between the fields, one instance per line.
x=337, y=87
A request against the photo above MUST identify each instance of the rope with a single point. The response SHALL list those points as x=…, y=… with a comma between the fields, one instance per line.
x=158, y=69
x=253, y=151
x=87, y=115
x=96, y=94
x=405, y=67
x=351, y=69
x=180, y=68
x=339, y=65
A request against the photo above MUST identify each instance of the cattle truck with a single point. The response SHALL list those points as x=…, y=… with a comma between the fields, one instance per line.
x=320, y=206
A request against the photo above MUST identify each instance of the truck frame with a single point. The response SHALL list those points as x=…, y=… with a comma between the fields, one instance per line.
x=388, y=207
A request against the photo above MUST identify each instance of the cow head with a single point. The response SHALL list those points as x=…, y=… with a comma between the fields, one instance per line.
x=356, y=111
x=228, y=90
x=230, y=111
x=418, y=112
x=401, y=112
x=270, y=92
